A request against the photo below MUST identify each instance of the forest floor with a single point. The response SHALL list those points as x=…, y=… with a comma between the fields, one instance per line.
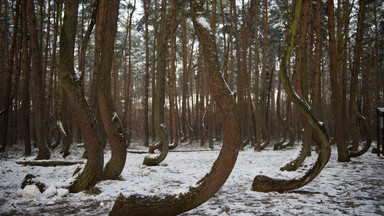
x=354, y=188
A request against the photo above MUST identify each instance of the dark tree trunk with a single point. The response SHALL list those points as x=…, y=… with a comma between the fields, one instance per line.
x=111, y=121
x=176, y=204
x=38, y=91
x=335, y=97
x=25, y=83
x=146, y=80
x=84, y=116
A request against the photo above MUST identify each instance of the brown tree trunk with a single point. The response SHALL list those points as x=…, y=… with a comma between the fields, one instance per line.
x=38, y=91
x=153, y=73
x=358, y=52
x=172, y=78
x=84, y=116
x=110, y=119
x=146, y=79
x=25, y=83
x=335, y=97
x=176, y=204
x=185, y=77
x=301, y=84
x=159, y=99
x=264, y=183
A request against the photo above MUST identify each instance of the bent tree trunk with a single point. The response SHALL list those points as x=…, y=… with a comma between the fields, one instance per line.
x=160, y=94
x=84, y=116
x=111, y=121
x=368, y=138
x=264, y=183
x=208, y=185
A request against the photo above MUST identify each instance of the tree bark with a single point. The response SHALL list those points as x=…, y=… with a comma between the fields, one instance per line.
x=25, y=83
x=110, y=119
x=335, y=96
x=172, y=78
x=159, y=99
x=264, y=183
x=84, y=115
x=146, y=79
x=176, y=204
x=38, y=91
x=358, y=52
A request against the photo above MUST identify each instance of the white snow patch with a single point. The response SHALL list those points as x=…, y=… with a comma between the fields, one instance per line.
x=340, y=189
x=60, y=124
x=50, y=192
x=62, y=192
x=30, y=192
x=204, y=23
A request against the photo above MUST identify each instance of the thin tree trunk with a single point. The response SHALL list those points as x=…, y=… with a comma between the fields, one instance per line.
x=159, y=100
x=358, y=52
x=146, y=79
x=155, y=41
x=172, y=78
x=25, y=83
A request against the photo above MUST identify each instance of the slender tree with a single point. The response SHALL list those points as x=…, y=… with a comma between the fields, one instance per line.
x=25, y=82
x=146, y=79
x=159, y=99
x=38, y=91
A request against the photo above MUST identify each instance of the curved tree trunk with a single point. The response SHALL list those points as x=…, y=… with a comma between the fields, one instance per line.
x=172, y=80
x=282, y=122
x=159, y=100
x=208, y=185
x=110, y=119
x=368, y=134
x=84, y=116
x=264, y=183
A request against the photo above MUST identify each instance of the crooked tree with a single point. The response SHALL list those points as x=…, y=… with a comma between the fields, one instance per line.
x=211, y=183
x=84, y=115
x=264, y=183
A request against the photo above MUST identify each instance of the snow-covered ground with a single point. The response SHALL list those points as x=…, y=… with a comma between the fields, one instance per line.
x=355, y=188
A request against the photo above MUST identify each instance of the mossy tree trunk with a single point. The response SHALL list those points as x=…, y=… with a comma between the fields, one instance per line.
x=206, y=187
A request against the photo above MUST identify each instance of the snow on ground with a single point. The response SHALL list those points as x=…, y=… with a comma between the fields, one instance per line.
x=354, y=188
